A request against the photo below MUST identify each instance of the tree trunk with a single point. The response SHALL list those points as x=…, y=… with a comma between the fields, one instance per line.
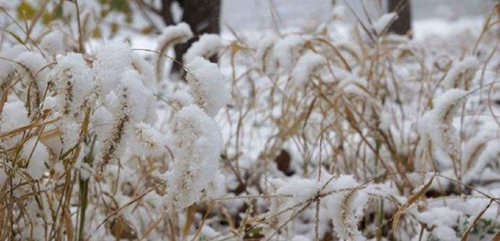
x=203, y=16
x=403, y=24
x=166, y=14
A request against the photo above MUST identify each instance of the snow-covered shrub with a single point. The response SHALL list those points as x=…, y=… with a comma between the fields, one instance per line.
x=328, y=133
x=82, y=133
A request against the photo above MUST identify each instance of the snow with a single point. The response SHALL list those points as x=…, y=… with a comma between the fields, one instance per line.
x=34, y=154
x=170, y=36
x=207, y=46
x=33, y=69
x=14, y=115
x=444, y=220
x=197, y=150
x=208, y=87
x=384, y=22
x=300, y=238
x=5, y=65
x=73, y=79
x=344, y=207
x=301, y=189
x=486, y=157
x=264, y=53
x=295, y=13
x=70, y=136
x=111, y=61
x=339, y=12
x=306, y=67
x=147, y=140
x=436, y=125
x=175, y=34
x=156, y=137
x=286, y=48
x=461, y=74
x=53, y=42
x=133, y=97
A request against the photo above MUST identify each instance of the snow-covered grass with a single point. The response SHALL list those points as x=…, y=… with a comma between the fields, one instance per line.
x=342, y=132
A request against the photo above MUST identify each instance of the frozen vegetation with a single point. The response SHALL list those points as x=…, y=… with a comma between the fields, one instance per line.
x=335, y=131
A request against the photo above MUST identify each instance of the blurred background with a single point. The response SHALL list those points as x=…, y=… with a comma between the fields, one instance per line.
x=257, y=14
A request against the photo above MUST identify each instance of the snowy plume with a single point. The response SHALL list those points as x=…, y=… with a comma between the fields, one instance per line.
x=442, y=221
x=343, y=196
x=346, y=208
x=436, y=125
x=209, y=89
x=54, y=42
x=460, y=75
x=206, y=47
x=146, y=72
x=128, y=104
x=5, y=65
x=174, y=34
x=286, y=50
x=73, y=80
x=132, y=97
x=34, y=155
x=384, y=22
x=14, y=115
x=70, y=134
x=110, y=62
x=197, y=151
x=146, y=140
x=33, y=71
x=265, y=54
x=296, y=191
x=338, y=12
x=171, y=36
x=308, y=64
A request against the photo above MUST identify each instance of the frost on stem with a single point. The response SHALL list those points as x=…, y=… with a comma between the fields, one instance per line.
x=301, y=191
x=73, y=80
x=346, y=208
x=147, y=76
x=171, y=36
x=196, y=168
x=443, y=222
x=206, y=47
x=6, y=66
x=54, y=43
x=461, y=74
x=344, y=197
x=286, y=50
x=436, y=125
x=110, y=62
x=487, y=158
x=208, y=87
x=338, y=12
x=308, y=64
x=127, y=105
x=33, y=157
x=384, y=22
x=33, y=74
x=265, y=54
x=146, y=140
x=14, y=115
